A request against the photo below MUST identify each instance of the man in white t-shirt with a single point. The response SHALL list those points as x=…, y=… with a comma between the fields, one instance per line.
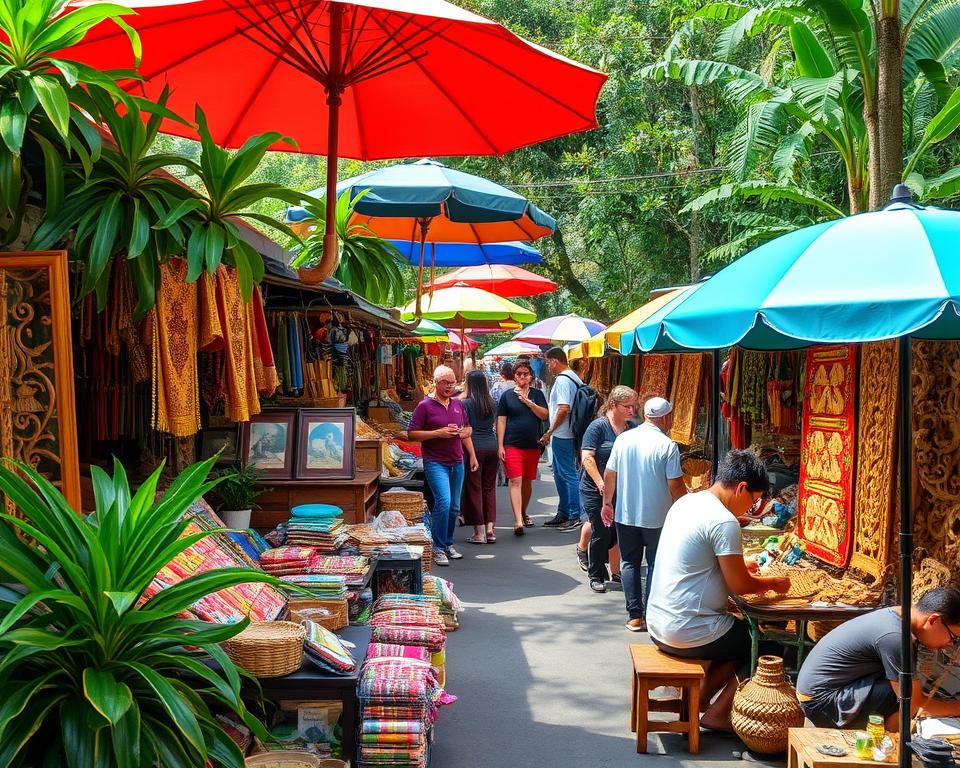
x=687, y=610
x=560, y=436
x=644, y=471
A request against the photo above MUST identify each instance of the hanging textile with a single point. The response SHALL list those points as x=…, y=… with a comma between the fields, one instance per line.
x=211, y=330
x=296, y=353
x=825, y=507
x=686, y=398
x=176, y=398
x=873, y=510
x=656, y=377
x=628, y=371
x=782, y=394
x=264, y=368
x=240, y=402
x=753, y=386
x=730, y=379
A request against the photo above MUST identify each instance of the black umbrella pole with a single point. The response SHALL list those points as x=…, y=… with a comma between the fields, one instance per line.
x=906, y=547
x=715, y=415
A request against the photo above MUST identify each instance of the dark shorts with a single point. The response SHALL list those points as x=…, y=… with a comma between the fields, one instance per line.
x=849, y=705
x=733, y=645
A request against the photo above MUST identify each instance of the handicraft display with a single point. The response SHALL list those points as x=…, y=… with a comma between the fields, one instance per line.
x=936, y=459
x=876, y=458
x=37, y=413
x=686, y=398
x=826, y=456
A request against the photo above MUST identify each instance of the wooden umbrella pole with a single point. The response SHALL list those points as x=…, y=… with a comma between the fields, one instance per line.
x=424, y=226
x=331, y=255
x=906, y=545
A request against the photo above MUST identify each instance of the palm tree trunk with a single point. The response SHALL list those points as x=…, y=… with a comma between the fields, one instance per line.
x=562, y=273
x=886, y=156
x=694, y=235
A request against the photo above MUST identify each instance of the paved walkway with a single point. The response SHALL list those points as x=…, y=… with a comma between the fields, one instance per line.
x=540, y=662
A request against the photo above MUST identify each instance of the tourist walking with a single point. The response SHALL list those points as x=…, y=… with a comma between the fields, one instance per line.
x=701, y=545
x=504, y=384
x=595, y=451
x=479, y=499
x=560, y=437
x=644, y=472
x=440, y=423
x=520, y=414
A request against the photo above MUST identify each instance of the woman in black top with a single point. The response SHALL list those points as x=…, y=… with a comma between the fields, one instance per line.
x=521, y=413
x=479, y=501
x=595, y=450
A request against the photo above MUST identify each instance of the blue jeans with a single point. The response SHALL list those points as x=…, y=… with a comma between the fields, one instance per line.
x=565, y=476
x=634, y=543
x=446, y=482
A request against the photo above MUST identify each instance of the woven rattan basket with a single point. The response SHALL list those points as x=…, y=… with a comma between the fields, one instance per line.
x=765, y=707
x=283, y=759
x=407, y=503
x=268, y=648
x=338, y=620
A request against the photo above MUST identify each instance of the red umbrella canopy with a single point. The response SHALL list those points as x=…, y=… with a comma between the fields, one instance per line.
x=501, y=279
x=410, y=78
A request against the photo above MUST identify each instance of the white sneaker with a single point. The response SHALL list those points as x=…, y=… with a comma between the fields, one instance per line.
x=440, y=558
x=453, y=554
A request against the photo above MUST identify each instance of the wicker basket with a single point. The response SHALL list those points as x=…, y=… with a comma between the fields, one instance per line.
x=283, y=758
x=268, y=648
x=410, y=504
x=765, y=707
x=338, y=608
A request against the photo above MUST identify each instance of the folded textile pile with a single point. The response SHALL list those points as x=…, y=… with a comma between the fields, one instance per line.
x=430, y=637
x=322, y=586
x=426, y=615
x=326, y=650
x=283, y=561
x=371, y=542
x=316, y=525
x=393, y=601
x=353, y=568
x=450, y=605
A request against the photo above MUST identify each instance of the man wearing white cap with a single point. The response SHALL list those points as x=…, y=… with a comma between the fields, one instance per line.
x=644, y=471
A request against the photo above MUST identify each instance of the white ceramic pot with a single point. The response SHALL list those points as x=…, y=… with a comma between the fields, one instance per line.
x=236, y=518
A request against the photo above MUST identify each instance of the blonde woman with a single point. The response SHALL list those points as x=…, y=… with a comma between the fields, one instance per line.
x=618, y=413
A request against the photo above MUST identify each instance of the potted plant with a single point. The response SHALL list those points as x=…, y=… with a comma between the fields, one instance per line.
x=93, y=674
x=237, y=491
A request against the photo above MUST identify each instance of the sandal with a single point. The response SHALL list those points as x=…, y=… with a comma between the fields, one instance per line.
x=491, y=538
x=518, y=531
x=476, y=539
x=527, y=522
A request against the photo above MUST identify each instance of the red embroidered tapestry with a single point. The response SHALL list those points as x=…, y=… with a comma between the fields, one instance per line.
x=825, y=506
x=655, y=379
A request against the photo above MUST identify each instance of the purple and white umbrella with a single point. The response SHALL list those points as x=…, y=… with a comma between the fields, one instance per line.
x=559, y=330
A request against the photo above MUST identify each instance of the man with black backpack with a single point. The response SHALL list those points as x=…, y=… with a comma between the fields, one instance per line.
x=568, y=397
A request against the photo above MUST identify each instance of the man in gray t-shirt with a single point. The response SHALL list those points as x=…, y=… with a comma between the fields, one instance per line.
x=853, y=672
x=560, y=436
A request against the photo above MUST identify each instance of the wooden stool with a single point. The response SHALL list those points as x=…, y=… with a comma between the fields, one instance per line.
x=652, y=669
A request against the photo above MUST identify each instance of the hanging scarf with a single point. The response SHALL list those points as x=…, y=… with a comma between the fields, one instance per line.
x=176, y=399
x=241, y=397
x=211, y=332
x=296, y=354
x=263, y=363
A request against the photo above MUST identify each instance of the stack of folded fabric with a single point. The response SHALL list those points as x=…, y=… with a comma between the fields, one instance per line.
x=371, y=542
x=284, y=561
x=326, y=650
x=410, y=626
x=353, y=568
x=322, y=586
x=450, y=605
x=316, y=525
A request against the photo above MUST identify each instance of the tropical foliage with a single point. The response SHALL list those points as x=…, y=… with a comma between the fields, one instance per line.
x=92, y=675
x=43, y=98
x=368, y=264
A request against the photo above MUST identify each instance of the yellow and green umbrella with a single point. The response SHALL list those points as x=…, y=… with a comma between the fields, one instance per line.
x=596, y=345
x=461, y=306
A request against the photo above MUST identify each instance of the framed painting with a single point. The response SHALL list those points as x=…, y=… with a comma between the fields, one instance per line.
x=325, y=443
x=267, y=443
x=225, y=439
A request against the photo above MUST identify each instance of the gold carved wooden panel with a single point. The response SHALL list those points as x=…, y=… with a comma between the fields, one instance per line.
x=936, y=449
x=875, y=484
x=37, y=412
x=686, y=397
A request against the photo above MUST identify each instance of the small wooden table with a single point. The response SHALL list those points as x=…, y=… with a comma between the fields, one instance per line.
x=357, y=498
x=651, y=669
x=803, y=742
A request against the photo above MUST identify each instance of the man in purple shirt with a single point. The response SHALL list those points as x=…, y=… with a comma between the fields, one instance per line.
x=440, y=423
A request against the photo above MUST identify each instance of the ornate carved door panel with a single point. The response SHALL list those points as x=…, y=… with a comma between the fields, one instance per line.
x=37, y=411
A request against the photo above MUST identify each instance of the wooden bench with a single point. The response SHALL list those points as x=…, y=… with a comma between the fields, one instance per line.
x=652, y=669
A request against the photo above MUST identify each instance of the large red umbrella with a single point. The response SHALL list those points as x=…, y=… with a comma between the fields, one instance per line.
x=367, y=79
x=501, y=279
